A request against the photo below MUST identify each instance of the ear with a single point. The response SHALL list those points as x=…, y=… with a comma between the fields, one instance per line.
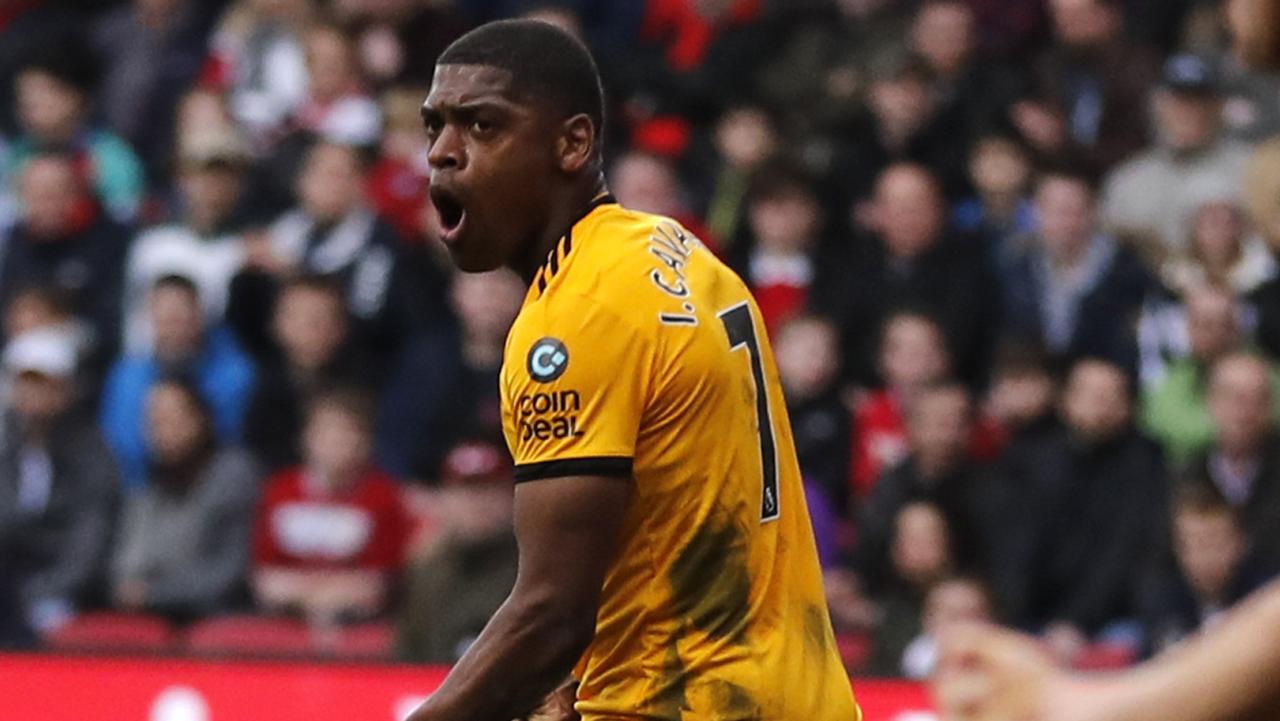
x=576, y=146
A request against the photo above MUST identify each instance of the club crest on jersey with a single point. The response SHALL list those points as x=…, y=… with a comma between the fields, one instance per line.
x=548, y=359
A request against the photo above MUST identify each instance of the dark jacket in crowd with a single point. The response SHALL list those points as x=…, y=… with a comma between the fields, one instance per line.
x=1094, y=519
x=1260, y=508
x=821, y=426
x=1171, y=612
x=58, y=509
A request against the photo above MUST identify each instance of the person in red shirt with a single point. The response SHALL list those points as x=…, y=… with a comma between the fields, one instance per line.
x=331, y=532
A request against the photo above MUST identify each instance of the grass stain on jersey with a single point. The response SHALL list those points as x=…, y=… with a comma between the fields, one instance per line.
x=731, y=702
x=710, y=582
x=670, y=701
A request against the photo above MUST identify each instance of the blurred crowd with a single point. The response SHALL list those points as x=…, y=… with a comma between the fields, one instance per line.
x=1017, y=259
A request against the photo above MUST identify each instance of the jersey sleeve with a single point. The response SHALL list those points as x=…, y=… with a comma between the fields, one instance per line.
x=575, y=380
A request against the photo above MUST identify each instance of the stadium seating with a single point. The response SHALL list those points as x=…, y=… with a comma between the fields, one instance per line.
x=250, y=636
x=114, y=633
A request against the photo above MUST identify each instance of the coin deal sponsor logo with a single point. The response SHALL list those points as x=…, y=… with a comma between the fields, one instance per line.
x=548, y=359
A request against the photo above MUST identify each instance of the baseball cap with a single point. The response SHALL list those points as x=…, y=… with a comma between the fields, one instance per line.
x=1190, y=74
x=48, y=352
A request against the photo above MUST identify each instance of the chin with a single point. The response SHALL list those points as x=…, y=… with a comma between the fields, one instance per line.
x=469, y=261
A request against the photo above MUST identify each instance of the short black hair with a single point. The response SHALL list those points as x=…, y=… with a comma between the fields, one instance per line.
x=544, y=61
x=177, y=281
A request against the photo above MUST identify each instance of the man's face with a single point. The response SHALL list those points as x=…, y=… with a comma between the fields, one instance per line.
x=493, y=157
x=177, y=323
x=1240, y=402
x=48, y=109
x=336, y=444
x=1096, y=402
x=1084, y=22
x=1210, y=547
x=1066, y=213
x=646, y=183
x=37, y=398
x=943, y=33
x=939, y=427
x=909, y=212
x=49, y=195
x=211, y=193
x=487, y=303
x=331, y=183
x=1211, y=324
x=785, y=223
x=310, y=325
x=1187, y=120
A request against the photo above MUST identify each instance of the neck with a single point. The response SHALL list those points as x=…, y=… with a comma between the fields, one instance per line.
x=1002, y=206
x=1240, y=453
x=566, y=209
x=1071, y=256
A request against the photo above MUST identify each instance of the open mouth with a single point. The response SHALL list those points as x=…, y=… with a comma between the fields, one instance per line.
x=451, y=210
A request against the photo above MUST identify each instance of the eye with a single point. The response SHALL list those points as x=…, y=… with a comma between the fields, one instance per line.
x=482, y=127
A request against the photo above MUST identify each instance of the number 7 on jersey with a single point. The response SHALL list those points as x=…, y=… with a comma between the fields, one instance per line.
x=741, y=329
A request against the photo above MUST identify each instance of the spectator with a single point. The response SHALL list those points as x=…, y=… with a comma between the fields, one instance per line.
x=649, y=183
x=1222, y=251
x=331, y=532
x=460, y=581
x=151, y=52
x=1155, y=194
x=808, y=355
x=745, y=137
x=206, y=244
x=940, y=470
x=337, y=108
x=950, y=603
x=58, y=485
x=62, y=243
x=780, y=260
x=922, y=554
x=183, y=549
x=312, y=332
x=1022, y=393
x=1176, y=409
x=913, y=356
x=1214, y=568
x=1242, y=463
x=1090, y=89
x=257, y=57
x=913, y=260
x=1092, y=511
x=1001, y=212
x=445, y=388
x=54, y=91
x=1074, y=289
x=398, y=179
x=183, y=346
x=44, y=308
x=332, y=232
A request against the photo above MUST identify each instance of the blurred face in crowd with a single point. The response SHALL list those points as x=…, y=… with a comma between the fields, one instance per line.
x=1187, y=121
x=1096, y=402
x=310, y=325
x=202, y=112
x=331, y=69
x=913, y=353
x=955, y=602
x=30, y=310
x=921, y=548
x=1065, y=209
x=908, y=211
x=177, y=322
x=211, y=194
x=1212, y=323
x=1239, y=400
x=38, y=399
x=901, y=104
x=808, y=357
x=943, y=35
x=1218, y=236
x=999, y=167
x=939, y=424
x=332, y=182
x=49, y=193
x=1021, y=396
x=1255, y=30
x=1084, y=23
x=337, y=443
x=646, y=183
x=745, y=137
x=1210, y=547
x=48, y=108
x=784, y=222
x=176, y=427
x=487, y=304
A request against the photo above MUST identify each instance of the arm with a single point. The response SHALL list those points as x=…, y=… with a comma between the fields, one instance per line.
x=567, y=529
x=1231, y=673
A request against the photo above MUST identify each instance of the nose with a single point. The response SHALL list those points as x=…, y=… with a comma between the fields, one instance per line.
x=446, y=153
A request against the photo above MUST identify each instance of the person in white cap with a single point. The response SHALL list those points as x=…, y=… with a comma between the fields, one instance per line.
x=57, y=481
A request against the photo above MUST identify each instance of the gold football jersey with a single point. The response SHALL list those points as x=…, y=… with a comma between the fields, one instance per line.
x=638, y=354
